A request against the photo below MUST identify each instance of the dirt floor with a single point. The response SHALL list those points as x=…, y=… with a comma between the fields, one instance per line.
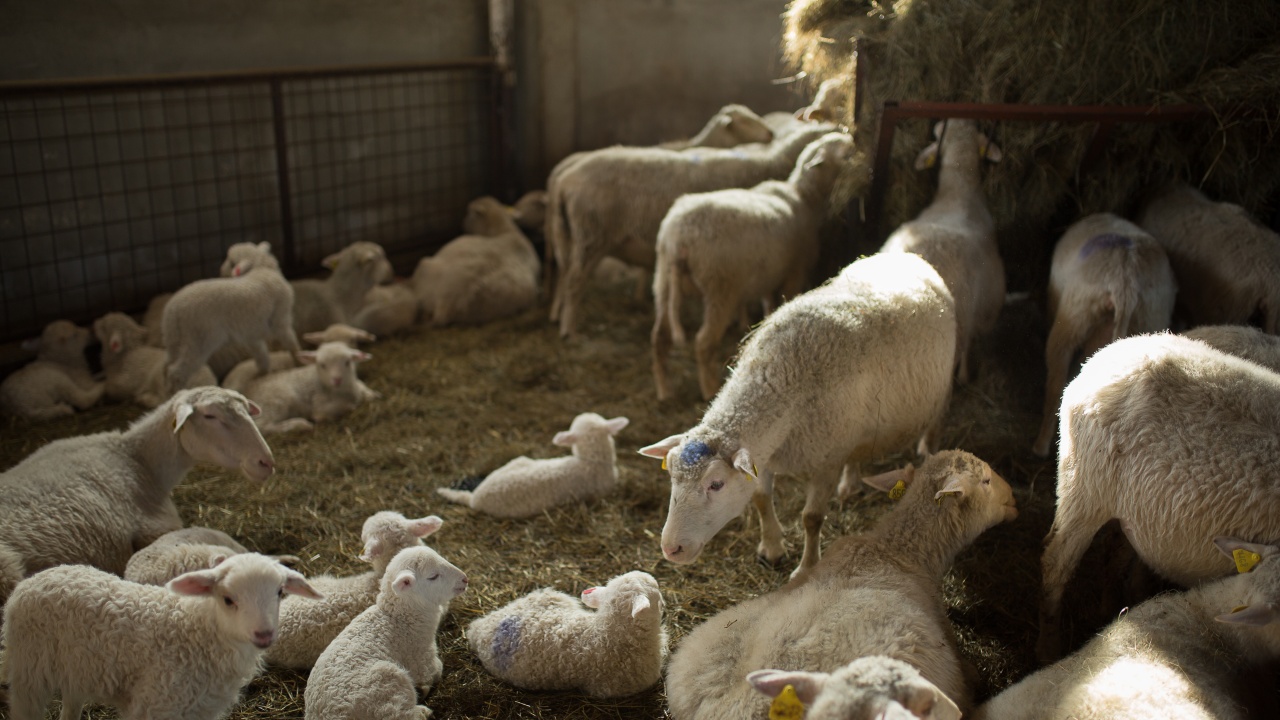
x=459, y=402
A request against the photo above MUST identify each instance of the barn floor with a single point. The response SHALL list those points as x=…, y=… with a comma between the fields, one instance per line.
x=462, y=401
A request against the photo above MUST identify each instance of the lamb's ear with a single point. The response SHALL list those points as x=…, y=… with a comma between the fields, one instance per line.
x=954, y=486
x=315, y=338
x=372, y=549
x=565, y=438
x=254, y=409
x=331, y=262
x=927, y=702
x=197, y=582
x=307, y=357
x=662, y=447
x=988, y=149
x=180, y=415
x=423, y=527
x=287, y=560
x=264, y=246
x=593, y=597
x=885, y=481
x=217, y=560
x=771, y=682
x=928, y=157
x=404, y=581
x=116, y=342
x=361, y=356
x=742, y=462
x=616, y=424
x=639, y=604
x=1245, y=554
x=295, y=584
x=1258, y=614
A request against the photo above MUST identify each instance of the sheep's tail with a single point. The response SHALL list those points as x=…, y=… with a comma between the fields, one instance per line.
x=556, y=235
x=666, y=289
x=462, y=497
x=1125, y=297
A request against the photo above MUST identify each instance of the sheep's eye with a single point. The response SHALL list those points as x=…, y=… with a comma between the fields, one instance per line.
x=986, y=481
x=434, y=576
x=716, y=485
x=280, y=593
x=229, y=602
x=207, y=416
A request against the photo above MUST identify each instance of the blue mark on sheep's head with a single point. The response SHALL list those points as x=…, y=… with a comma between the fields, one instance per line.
x=694, y=452
x=1105, y=241
x=506, y=641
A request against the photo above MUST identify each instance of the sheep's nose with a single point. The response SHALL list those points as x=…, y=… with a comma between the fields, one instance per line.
x=263, y=638
x=268, y=464
x=672, y=552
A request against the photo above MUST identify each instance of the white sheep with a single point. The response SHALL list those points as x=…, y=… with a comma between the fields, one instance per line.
x=875, y=593
x=389, y=309
x=1109, y=280
x=1177, y=655
x=524, y=487
x=956, y=233
x=1162, y=432
x=251, y=308
x=831, y=101
x=98, y=498
x=869, y=688
x=183, y=551
x=612, y=202
x=324, y=389
x=1242, y=341
x=57, y=382
x=849, y=371
x=378, y=663
x=1226, y=262
x=153, y=319
x=546, y=640
x=306, y=629
x=246, y=371
x=181, y=651
x=135, y=371
x=736, y=246
x=357, y=268
x=491, y=272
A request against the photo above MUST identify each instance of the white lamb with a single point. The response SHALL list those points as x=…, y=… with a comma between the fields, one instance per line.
x=525, y=487
x=357, y=268
x=1109, y=280
x=736, y=246
x=849, y=371
x=956, y=234
x=1163, y=432
x=324, y=389
x=1242, y=341
x=389, y=309
x=831, y=101
x=57, y=382
x=306, y=629
x=135, y=371
x=876, y=593
x=246, y=372
x=252, y=308
x=869, y=688
x=1177, y=655
x=98, y=498
x=183, y=551
x=378, y=663
x=1225, y=261
x=546, y=640
x=181, y=651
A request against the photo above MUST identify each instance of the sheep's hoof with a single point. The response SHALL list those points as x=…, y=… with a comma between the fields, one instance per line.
x=779, y=563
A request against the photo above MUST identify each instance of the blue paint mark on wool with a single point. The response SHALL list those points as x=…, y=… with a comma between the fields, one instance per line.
x=506, y=641
x=694, y=451
x=1106, y=241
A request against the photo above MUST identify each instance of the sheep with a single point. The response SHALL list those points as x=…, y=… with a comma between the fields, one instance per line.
x=135, y=371
x=96, y=499
x=251, y=308
x=246, y=372
x=357, y=269
x=877, y=593
x=830, y=102
x=1225, y=261
x=546, y=640
x=1109, y=280
x=1158, y=432
x=389, y=309
x=181, y=651
x=612, y=202
x=152, y=320
x=306, y=629
x=57, y=382
x=1177, y=655
x=737, y=245
x=853, y=369
x=489, y=273
x=524, y=487
x=296, y=399
x=1242, y=341
x=956, y=234
x=869, y=688
x=377, y=664
x=182, y=551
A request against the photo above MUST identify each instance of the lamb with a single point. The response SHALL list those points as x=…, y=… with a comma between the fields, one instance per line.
x=738, y=245
x=182, y=551
x=524, y=487
x=357, y=268
x=96, y=499
x=1242, y=341
x=869, y=688
x=1225, y=261
x=546, y=640
x=1159, y=432
x=877, y=593
x=57, y=382
x=956, y=234
x=376, y=665
x=389, y=309
x=296, y=399
x=182, y=651
x=487, y=274
x=853, y=369
x=1177, y=655
x=612, y=202
x=830, y=102
x=153, y=319
x=251, y=308
x=1109, y=280
x=135, y=371
x=306, y=629
x=246, y=372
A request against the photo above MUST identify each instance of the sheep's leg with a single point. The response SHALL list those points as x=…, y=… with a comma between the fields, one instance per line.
x=660, y=339
x=1064, y=338
x=850, y=482
x=71, y=708
x=27, y=704
x=51, y=412
x=717, y=315
x=822, y=487
x=574, y=282
x=962, y=359
x=771, y=550
x=261, y=356
x=1074, y=526
x=68, y=391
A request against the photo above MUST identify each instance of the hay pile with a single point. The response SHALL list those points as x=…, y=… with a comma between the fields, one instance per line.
x=1066, y=52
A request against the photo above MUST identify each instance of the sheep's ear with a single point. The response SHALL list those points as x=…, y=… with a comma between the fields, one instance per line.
x=331, y=262
x=254, y=409
x=615, y=425
x=661, y=448
x=593, y=597
x=938, y=128
x=928, y=157
x=639, y=604
x=217, y=560
x=565, y=438
x=361, y=356
x=771, y=682
x=1257, y=615
x=988, y=149
x=954, y=486
x=927, y=702
x=180, y=415
x=264, y=246
x=1245, y=554
x=886, y=481
x=742, y=462
x=295, y=584
x=197, y=582
x=116, y=342
x=372, y=549
x=286, y=560
x=404, y=581
x=423, y=527
x=307, y=357
x=315, y=338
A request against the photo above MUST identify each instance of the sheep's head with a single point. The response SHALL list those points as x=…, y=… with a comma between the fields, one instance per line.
x=634, y=594
x=1261, y=564
x=388, y=532
x=62, y=341
x=489, y=217
x=335, y=365
x=420, y=574
x=959, y=480
x=367, y=259
x=959, y=142
x=874, y=687
x=118, y=334
x=215, y=425
x=245, y=592
x=245, y=256
x=740, y=125
x=588, y=425
x=531, y=210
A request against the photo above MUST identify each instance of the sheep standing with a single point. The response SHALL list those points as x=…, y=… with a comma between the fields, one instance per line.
x=877, y=593
x=739, y=245
x=856, y=368
x=135, y=371
x=357, y=268
x=251, y=308
x=306, y=629
x=296, y=399
x=525, y=487
x=1109, y=280
x=57, y=382
x=377, y=664
x=1159, y=432
x=956, y=234
x=96, y=499
x=1177, y=655
x=546, y=640
x=1225, y=261
x=869, y=688
x=181, y=651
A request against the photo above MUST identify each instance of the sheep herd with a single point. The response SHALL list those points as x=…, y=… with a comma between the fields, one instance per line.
x=108, y=598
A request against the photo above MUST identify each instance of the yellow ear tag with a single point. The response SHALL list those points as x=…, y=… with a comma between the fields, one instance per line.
x=786, y=706
x=1245, y=559
x=897, y=491
x=755, y=470
x=664, y=462
x=1238, y=609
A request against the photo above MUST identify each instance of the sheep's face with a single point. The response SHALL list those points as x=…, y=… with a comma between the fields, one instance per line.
x=62, y=341
x=743, y=126
x=336, y=365
x=988, y=499
x=421, y=575
x=118, y=334
x=634, y=593
x=869, y=687
x=245, y=591
x=706, y=493
x=215, y=425
x=487, y=216
x=243, y=257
